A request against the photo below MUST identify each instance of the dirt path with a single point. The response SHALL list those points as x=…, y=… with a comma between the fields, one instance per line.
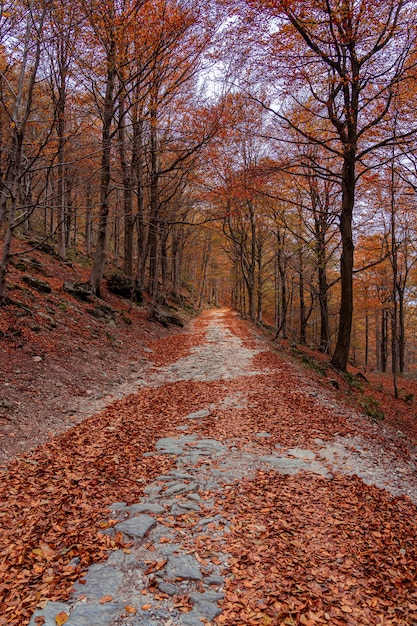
x=259, y=500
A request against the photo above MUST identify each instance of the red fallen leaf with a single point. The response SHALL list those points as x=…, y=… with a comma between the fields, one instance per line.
x=105, y=599
x=131, y=609
x=39, y=621
x=146, y=607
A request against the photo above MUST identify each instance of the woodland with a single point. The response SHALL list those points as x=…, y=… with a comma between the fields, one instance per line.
x=208, y=312
x=257, y=154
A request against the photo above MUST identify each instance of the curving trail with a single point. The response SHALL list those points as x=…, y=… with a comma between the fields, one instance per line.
x=259, y=499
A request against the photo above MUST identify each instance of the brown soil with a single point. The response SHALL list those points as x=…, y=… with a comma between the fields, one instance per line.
x=59, y=363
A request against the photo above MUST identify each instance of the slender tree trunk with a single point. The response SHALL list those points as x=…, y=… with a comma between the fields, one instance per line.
x=384, y=340
x=10, y=187
x=164, y=260
x=323, y=297
x=88, y=218
x=259, y=282
x=303, y=310
x=341, y=353
x=129, y=220
x=378, y=342
x=394, y=263
x=153, y=197
x=61, y=195
x=105, y=179
x=206, y=257
x=401, y=334
x=366, y=339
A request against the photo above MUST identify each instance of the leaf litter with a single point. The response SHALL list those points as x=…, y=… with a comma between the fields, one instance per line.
x=303, y=549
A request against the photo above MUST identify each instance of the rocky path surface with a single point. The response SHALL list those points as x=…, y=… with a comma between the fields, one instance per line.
x=179, y=565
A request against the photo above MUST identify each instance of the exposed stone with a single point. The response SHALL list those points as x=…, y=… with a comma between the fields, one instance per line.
x=178, y=488
x=37, y=284
x=9, y=406
x=94, y=614
x=214, y=580
x=51, y=610
x=168, y=588
x=209, y=520
x=206, y=603
x=167, y=318
x=48, y=318
x=103, y=311
x=198, y=414
x=292, y=466
x=192, y=618
x=183, y=507
x=136, y=527
x=183, y=566
x=145, y=507
x=120, y=558
x=118, y=506
x=124, y=287
x=152, y=489
x=299, y=453
x=100, y=580
x=81, y=291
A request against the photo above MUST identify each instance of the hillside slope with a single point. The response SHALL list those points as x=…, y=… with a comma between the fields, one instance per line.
x=62, y=358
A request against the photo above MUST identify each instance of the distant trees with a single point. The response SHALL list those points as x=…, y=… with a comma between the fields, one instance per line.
x=333, y=69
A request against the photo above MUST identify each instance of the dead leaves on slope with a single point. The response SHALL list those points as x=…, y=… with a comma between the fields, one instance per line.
x=308, y=551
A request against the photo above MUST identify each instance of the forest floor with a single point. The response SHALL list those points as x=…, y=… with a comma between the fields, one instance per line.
x=232, y=486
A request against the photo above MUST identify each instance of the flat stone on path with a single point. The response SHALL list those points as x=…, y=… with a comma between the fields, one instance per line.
x=299, y=453
x=100, y=580
x=145, y=507
x=51, y=610
x=173, y=445
x=206, y=603
x=192, y=618
x=168, y=588
x=136, y=527
x=292, y=466
x=183, y=566
x=94, y=614
x=198, y=414
x=177, y=488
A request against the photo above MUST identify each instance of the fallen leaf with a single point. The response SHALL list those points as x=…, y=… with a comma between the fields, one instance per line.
x=61, y=618
x=105, y=599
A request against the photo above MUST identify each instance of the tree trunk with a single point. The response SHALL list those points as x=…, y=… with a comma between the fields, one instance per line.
x=14, y=165
x=341, y=352
x=154, y=203
x=61, y=195
x=303, y=310
x=164, y=260
x=384, y=340
x=401, y=333
x=129, y=221
x=88, y=218
x=105, y=178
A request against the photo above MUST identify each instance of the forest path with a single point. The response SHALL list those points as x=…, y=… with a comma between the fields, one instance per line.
x=257, y=499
